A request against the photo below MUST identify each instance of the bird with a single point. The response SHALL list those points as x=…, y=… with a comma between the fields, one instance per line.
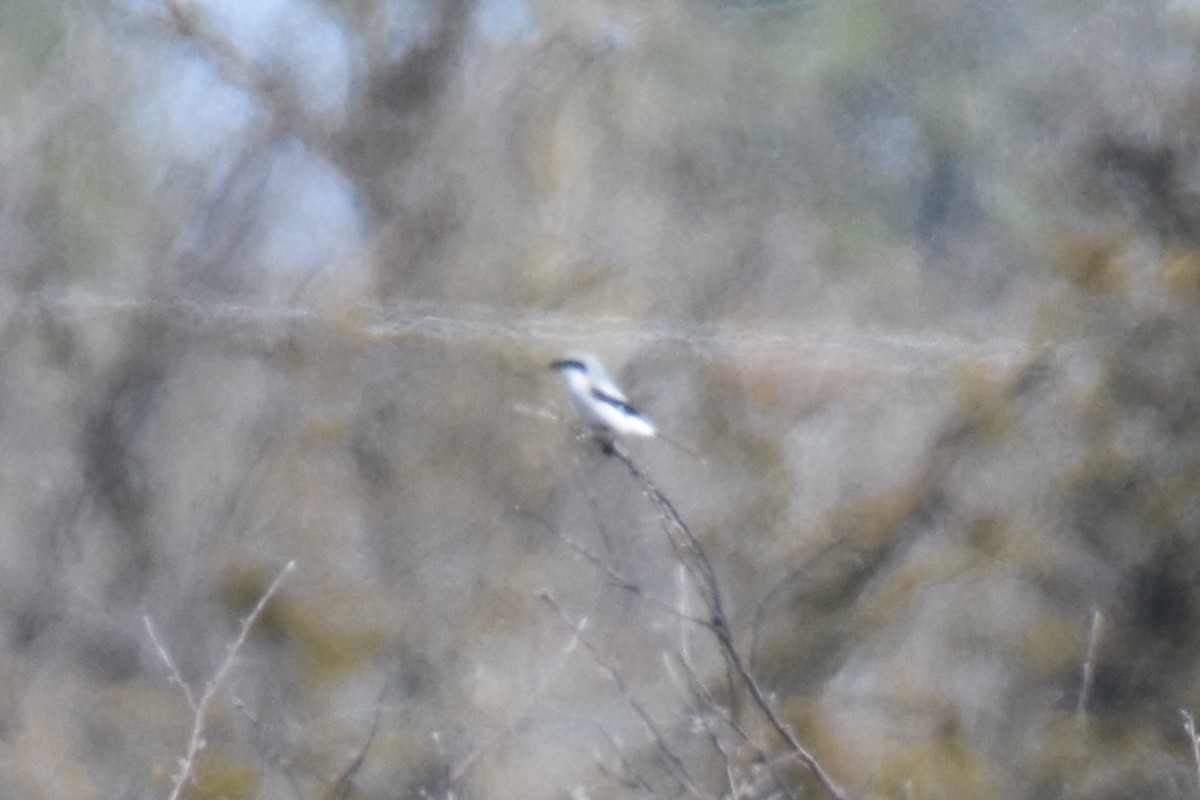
x=601, y=402
x=598, y=399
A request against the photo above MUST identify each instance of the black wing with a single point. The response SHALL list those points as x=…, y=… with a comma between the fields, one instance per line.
x=615, y=402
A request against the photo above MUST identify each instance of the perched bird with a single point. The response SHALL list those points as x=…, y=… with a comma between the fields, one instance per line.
x=599, y=400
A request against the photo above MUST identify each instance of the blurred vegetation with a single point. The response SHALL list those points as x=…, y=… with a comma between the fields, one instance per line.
x=920, y=285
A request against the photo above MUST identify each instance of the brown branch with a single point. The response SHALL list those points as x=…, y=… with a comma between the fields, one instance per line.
x=695, y=559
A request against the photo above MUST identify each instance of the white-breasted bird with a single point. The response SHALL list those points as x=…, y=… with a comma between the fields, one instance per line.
x=598, y=399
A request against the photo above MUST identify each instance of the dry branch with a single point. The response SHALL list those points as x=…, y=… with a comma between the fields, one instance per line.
x=692, y=555
x=196, y=743
x=1088, y=673
x=675, y=765
x=1189, y=725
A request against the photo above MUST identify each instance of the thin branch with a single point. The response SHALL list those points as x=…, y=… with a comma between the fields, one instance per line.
x=687, y=547
x=676, y=766
x=196, y=743
x=615, y=578
x=695, y=559
x=632, y=779
x=1088, y=675
x=165, y=655
x=704, y=696
x=345, y=781
x=714, y=739
x=618, y=581
x=458, y=770
x=1189, y=725
x=764, y=705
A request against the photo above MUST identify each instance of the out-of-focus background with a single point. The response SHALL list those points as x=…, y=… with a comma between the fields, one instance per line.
x=919, y=283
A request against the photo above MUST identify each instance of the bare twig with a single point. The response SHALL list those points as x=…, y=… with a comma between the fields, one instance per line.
x=615, y=578
x=704, y=696
x=1189, y=725
x=631, y=779
x=686, y=546
x=458, y=769
x=675, y=765
x=165, y=655
x=692, y=555
x=610, y=572
x=345, y=781
x=1089, y=664
x=624, y=584
x=731, y=780
x=684, y=604
x=196, y=743
x=768, y=710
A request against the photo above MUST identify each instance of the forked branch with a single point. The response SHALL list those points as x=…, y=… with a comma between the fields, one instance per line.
x=200, y=709
x=692, y=554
